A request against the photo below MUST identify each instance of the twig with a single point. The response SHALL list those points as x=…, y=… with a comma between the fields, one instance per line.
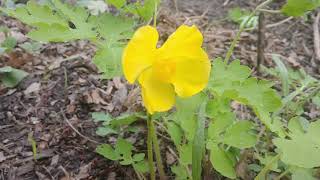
x=261, y=41
x=316, y=37
x=279, y=23
x=226, y=2
x=242, y=28
x=75, y=130
x=270, y=11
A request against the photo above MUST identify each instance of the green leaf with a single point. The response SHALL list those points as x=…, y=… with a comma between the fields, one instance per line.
x=221, y=161
x=6, y=69
x=298, y=125
x=138, y=157
x=175, y=132
x=299, y=7
x=33, y=14
x=284, y=76
x=232, y=81
x=107, y=151
x=125, y=119
x=100, y=116
x=302, y=173
x=108, y=61
x=185, y=113
x=12, y=77
x=180, y=172
x=123, y=147
x=219, y=124
x=77, y=15
x=9, y=43
x=240, y=135
x=104, y=131
x=113, y=28
x=59, y=33
x=267, y=159
x=52, y=25
x=146, y=11
x=31, y=47
x=117, y=3
x=141, y=166
x=302, y=150
x=217, y=106
x=185, y=154
x=240, y=16
x=316, y=100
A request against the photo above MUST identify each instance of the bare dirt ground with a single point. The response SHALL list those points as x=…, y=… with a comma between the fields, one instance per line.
x=64, y=87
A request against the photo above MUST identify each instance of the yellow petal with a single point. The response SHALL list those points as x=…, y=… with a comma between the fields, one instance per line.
x=184, y=42
x=191, y=76
x=139, y=53
x=157, y=96
x=186, y=62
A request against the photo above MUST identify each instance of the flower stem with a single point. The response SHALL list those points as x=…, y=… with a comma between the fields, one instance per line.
x=242, y=27
x=155, y=15
x=150, y=153
x=157, y=152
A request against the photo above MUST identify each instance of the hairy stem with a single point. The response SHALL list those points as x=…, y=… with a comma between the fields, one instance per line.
x=157, y=152
x=242, y=27
x=150, y=153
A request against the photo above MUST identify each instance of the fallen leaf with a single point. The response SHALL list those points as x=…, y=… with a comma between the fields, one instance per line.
x=33, y=88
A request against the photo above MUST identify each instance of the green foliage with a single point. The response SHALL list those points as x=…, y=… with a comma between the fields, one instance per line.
x=10, y=77
x=302, y=173
x=112, y=125
x=240, y=16
x=31, y=47
x=8, y=44
x=123, y=153
x=60, y=22
x=233, y=81
x=145, y=10
x=299, y=7
x=302, y=149
x=284, y=75
x=221, y=161
x=117, y=3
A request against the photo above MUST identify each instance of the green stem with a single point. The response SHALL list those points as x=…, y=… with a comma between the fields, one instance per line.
x=198, y=147
x=282, y=174
x=264, y=171
x=242, y=27
x=155, y=15
x=157, y=152
x=150, y=153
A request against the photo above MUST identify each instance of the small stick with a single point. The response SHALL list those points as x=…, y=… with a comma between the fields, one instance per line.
x=316, y=37
x=75, y=130
x=261, y=42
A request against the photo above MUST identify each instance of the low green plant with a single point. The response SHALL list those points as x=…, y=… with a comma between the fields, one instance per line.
x=10, y=77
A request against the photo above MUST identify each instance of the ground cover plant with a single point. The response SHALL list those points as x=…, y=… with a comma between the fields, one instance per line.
x=187, y=99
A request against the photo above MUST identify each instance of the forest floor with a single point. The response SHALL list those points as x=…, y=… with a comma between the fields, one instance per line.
x=54, y=103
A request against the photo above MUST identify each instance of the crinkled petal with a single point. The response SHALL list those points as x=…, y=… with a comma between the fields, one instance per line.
x=157, y=96
x=191, y=64
x=140, y=52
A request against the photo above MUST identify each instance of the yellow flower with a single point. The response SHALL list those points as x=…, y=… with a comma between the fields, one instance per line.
x=179, y=67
